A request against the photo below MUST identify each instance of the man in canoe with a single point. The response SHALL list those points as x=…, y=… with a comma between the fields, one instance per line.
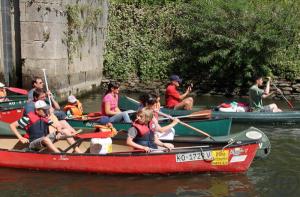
x=174, y=99
x=141, y=135
x=37, y=126
x=37, y=83
x=256, y=95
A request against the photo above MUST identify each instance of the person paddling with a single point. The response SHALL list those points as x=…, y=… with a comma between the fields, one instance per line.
x=167, y=132
x=141, y=135
x=174, y=99
x=37, y=126
x=256, y=95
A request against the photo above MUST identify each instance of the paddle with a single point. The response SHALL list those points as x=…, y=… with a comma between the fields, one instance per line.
x=288, y=102
x=17, y=90
x=180, y=122
x=46, y=82
x=206, y=114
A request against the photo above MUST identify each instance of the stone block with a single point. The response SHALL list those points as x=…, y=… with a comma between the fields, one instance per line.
x=41, y=50
x=46, y=32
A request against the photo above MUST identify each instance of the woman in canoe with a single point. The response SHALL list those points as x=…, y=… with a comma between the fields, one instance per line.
x=152, y=102
x=141, y=135
x=109, y=105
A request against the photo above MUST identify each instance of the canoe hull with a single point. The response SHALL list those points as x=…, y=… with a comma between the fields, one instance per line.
x=260, y=117
x=140, y=163
x=12, y=115
x=214, y=127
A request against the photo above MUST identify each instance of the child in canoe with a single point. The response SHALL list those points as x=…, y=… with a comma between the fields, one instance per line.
x=73, y=108
x=142, y=136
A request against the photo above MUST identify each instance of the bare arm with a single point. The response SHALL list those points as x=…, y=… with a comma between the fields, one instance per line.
x=13, y=127
x=55, y=105
x=160, y=143
x=131, y=143
x=167, y=127
x=188, y=90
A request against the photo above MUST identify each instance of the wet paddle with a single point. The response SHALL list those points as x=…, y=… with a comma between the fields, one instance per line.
x=17, y=90
x=288, y=102
x=180, y=122
x=47, y=87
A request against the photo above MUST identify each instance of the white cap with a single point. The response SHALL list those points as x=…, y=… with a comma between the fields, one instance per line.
x=2, y=85
x=41, y=105
x=72, y=99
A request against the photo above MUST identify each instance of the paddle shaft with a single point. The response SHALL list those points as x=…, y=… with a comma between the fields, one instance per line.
x=288, y=102
x=188, y=116
x=180, y=122
x=47, y=88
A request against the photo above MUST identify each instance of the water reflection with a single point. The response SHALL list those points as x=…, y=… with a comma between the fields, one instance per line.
x=27, y=183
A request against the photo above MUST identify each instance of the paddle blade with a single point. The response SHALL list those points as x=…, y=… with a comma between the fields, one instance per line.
x=17, y=90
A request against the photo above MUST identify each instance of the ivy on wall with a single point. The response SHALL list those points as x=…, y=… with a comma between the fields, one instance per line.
x=81, y=18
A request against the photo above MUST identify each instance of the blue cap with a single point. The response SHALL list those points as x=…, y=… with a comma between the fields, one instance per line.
x=175, y=78
x=103, y=120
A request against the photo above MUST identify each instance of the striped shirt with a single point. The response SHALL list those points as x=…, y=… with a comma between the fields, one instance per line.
x=25, y=121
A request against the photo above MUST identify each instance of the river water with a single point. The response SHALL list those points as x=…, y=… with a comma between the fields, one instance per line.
x=277, y=175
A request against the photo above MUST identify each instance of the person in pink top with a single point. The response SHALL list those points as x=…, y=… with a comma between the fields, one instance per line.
x=174, y=99
x=109, y=105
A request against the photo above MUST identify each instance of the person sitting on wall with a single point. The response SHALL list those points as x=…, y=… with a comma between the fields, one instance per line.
x=73, y=109
x=174, y=99
x=256, y=95
x=141, y=135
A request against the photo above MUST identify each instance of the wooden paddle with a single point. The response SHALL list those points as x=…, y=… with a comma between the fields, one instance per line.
x=17, y=90
x=180, y=122
x=205, y=114
x=288, y=102
x=47, y=88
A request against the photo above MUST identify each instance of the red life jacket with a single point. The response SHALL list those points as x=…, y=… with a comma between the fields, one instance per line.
x=37, y=127
x=145, y=134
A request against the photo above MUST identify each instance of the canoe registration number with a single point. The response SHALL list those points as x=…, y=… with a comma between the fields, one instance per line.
x=206, y=155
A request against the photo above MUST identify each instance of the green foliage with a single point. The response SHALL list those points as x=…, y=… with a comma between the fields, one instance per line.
x=81, y=18
x=223, y=42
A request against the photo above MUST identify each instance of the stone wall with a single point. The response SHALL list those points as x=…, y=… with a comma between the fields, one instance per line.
x=57, y=36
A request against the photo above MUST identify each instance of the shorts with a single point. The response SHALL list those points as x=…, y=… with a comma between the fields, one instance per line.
x=37, y=143
x=266, y=108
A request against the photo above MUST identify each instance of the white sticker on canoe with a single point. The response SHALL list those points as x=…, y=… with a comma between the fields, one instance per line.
x=238, y=158
x=194, y=156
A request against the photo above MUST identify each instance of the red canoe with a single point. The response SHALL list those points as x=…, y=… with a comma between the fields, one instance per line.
x=11, y=115
x=207, y=158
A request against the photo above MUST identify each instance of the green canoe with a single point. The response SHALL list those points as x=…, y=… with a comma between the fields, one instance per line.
x=215, y=127
x=15, y=101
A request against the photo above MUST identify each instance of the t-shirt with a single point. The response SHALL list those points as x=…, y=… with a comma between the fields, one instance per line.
x=255, y=97
x=112, y=100
x=30, y=94
x=25, y=121
x=172, y=96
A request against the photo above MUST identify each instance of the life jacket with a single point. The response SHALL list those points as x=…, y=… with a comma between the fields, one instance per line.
x=145, y=135
x=106, y=131
x=38, y=126
x=76, y=110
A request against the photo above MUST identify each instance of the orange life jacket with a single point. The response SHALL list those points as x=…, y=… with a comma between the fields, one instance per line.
x=76, y=110
x=107, y=131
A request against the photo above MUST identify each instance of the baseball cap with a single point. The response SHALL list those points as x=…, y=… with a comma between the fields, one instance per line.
x=41, y=105
x=175, y=78
x=72, y=99
x=2, y=85
x=103, y=120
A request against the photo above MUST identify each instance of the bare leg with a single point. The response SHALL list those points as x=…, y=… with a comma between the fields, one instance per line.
x=71, y=140
x=186, y=104
x=46, y=141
